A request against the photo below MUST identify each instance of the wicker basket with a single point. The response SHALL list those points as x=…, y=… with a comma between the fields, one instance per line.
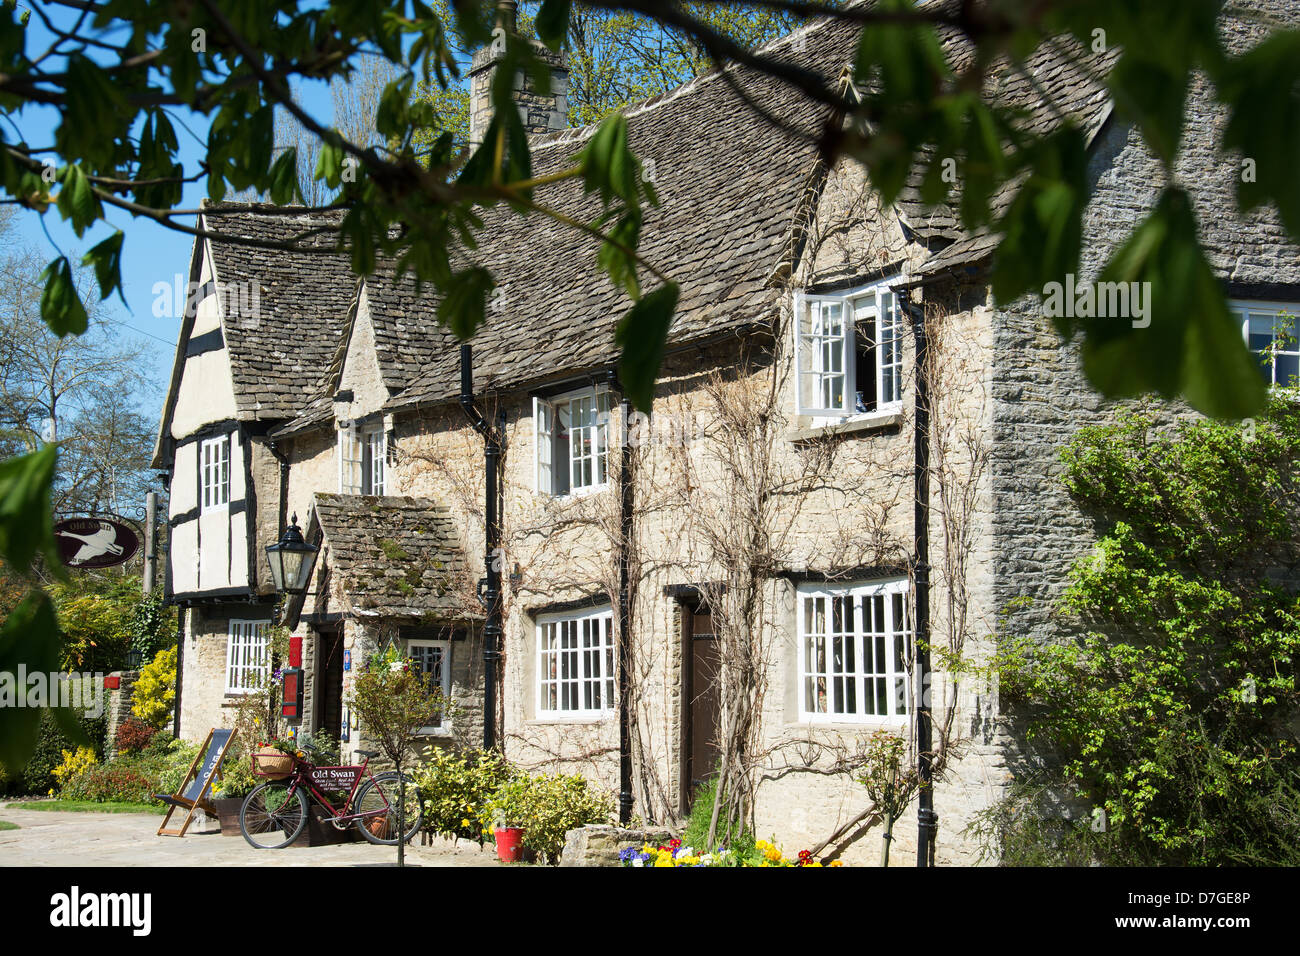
x=269, y=762
x=380, y=827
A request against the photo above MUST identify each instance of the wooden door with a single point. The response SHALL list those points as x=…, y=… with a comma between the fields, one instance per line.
x=703, y=702
x=329, y=679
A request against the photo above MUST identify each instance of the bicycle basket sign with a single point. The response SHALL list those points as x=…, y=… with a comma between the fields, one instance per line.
x=95, y=542
x=334, y=778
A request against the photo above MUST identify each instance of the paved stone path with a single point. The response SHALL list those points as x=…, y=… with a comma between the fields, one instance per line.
x=60, y=838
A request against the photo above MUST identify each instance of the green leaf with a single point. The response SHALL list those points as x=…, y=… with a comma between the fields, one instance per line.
x=26, y=522
x=642, y=335
x=106, y=258
x=77, y=201
x=1191, y=346
x=284, y=178
x=29, y=637
x=608, y=166
x=1042, y=229
x=552, y=22
x=61, y=305
x=464, y=303
x=1264, y=125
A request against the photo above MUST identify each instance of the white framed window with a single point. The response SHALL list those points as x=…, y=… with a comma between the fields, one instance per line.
x=855, y=647
x=248, y=656
x=362, y=453
x=571, y=452
x=1269, y=329
x=575, y=664
x=848, y=352
x=214, y=462
x=433, y=659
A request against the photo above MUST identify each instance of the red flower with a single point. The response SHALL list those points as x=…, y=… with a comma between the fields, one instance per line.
x=805, y=857
x=674, y=844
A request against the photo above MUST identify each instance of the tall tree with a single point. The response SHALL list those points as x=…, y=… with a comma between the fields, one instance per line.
x=81, y=391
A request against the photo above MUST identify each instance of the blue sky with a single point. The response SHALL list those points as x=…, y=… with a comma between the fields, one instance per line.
x=151, y=253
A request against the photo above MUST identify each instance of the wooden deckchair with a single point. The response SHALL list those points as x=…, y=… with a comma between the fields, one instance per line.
x=193, y=793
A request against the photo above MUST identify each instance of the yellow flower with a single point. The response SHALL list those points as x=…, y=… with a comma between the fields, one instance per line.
x=836, y=863
x=664, y=860
x=464, y=822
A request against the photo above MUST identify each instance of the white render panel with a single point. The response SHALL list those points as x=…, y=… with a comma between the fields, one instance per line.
x=184, y=557
x=214, y=549
x=184, y=492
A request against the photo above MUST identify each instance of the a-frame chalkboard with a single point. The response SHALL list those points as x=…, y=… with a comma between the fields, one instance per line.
x=193, y=794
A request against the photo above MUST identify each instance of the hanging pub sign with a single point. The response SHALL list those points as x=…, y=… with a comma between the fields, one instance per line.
x=97, y=542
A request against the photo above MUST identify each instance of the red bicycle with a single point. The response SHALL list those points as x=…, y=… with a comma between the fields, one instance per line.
x=275, y=813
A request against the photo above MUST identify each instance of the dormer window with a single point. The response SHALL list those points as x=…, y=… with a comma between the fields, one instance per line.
x=572, y=441
x=362, y=450
x=848, y=352
x=1270, y=332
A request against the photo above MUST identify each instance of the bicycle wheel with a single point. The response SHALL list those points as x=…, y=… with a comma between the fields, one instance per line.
x=272, y=817
x=380, y=793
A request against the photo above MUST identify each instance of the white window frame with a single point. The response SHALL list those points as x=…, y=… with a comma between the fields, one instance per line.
x=248, y=655
x=852, y=675
x=1245, y=309
x=355, y=443
x=824, y=353
x=444, y=728
x=549, y=414
x=214, y=473
x=573, y=664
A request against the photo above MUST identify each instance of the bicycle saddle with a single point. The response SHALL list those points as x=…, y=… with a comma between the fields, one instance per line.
x=368, y=754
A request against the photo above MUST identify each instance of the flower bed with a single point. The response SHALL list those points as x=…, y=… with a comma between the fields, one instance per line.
x=674, y=854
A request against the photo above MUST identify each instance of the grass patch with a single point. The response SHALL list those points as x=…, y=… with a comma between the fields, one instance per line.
x=89, y=806
x=6, y=825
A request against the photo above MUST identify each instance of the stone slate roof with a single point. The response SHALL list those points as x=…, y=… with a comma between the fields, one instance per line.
x=1247, y=251
x=278, y=350
x=401, y=555
x=731, y=188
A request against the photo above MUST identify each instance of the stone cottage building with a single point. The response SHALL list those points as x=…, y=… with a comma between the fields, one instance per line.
x=760, y=523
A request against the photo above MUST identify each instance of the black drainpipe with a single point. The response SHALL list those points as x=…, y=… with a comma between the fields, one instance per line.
x=493, y=440
x=926, y=818
x=626, y=502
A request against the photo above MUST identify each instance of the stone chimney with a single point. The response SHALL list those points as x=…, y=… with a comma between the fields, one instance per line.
x=541, y=114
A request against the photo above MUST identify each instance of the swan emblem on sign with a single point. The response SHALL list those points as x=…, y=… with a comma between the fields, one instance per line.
x=103, y=541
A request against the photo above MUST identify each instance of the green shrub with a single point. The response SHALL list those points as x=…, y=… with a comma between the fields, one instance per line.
x=741, y=845
x=38, y=775
x=457, y=785
x=126, y=780
x=1174, y=714
x=174, y=764
x=154, y=694
x=547, y=806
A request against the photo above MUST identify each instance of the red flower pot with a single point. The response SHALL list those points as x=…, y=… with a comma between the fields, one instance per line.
x=510, y=844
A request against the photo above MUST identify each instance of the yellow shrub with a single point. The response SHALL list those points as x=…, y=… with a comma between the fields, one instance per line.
x=155, y=690
x=74, y=762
